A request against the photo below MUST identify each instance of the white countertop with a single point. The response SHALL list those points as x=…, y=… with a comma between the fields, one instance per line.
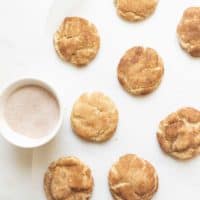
x=26, y=50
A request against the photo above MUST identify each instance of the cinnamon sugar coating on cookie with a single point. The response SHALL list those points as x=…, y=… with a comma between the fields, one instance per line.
x=140, y=70
x=179, y=133
x=77, y=41
x=68, y=179
x=132, y=178
x=135, y=10
x=94, y=117
x=189, y=31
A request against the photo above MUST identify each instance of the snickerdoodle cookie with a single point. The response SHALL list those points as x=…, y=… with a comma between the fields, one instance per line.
x=132, y=178
x=68, y=179
x=94, y=117
x=189, y=31
x=179, y=133
x=135, y=10
x=140, y=70
x=77, y=41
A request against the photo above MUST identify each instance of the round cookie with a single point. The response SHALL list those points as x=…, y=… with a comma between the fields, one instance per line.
x=140, y=70
x=189, y=31
x=132, y=178
x=94, y=117
x=68, y=179
x=179, y=133
x=77, y=41
x=135, y=10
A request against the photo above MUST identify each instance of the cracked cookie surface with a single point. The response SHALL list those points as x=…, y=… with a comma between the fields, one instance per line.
x=68, y=179
x=94, y=117
x=135, y=10
x=77, y=41
x=189, y=31
x=132, y=178
x=179, y=133
x=140, y=70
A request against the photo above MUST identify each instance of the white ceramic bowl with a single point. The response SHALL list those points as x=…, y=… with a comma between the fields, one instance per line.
x=16, y=138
